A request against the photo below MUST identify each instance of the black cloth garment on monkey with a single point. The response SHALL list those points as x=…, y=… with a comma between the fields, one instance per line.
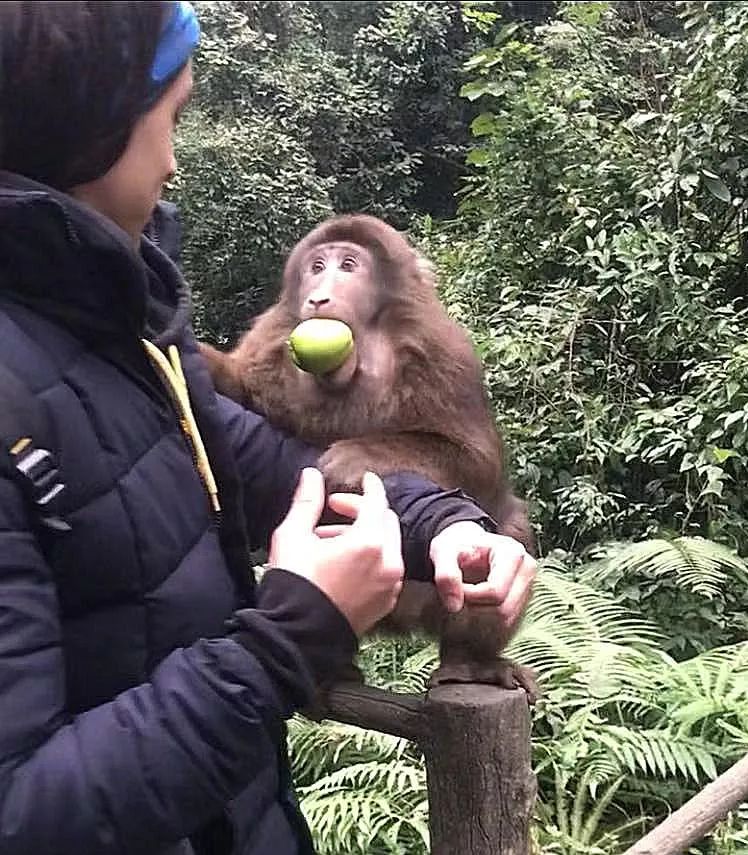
x=122, y=692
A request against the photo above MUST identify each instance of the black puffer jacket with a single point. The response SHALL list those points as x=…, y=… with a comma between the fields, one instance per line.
x=144, y=679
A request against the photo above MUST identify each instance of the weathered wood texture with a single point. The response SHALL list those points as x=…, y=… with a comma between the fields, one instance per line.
x=476, y=742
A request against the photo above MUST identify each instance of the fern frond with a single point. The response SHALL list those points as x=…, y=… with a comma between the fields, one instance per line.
x=575, y=611
x=659, y=752
x=711, y=685
x=702, y=566
x=396, y=778
x=601, y=769
x=318, y=748
x=572, y=631
x=370, y=807
x=416, y=670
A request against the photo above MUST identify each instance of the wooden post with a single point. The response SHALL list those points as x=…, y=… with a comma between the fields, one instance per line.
x=480, y=780
x=476, y=741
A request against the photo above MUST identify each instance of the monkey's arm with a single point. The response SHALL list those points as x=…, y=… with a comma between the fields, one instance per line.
x=428, y=454
x=269, y=462
x=223, y=371
x=437, y=459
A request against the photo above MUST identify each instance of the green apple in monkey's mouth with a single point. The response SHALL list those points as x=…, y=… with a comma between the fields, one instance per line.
x=320, y=345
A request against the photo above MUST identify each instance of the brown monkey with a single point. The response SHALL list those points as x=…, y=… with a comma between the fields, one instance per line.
x=409, y=397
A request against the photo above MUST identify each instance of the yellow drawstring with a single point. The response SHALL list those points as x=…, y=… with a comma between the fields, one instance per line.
x=170, y=371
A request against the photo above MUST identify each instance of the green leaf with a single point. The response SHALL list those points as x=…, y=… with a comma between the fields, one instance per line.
x=722, y=454
x=716, y=186
x=478, y=157
x=732, y=418
x=483, y=125
x=479, y=88
x=474, y=90
x=639, y=119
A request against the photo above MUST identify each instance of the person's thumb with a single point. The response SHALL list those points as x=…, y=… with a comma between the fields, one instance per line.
x=307, y=503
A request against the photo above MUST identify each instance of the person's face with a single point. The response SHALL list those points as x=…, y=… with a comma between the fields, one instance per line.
x=129, y=191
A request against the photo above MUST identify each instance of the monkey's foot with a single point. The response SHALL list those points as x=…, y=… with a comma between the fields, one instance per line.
x=498, y=672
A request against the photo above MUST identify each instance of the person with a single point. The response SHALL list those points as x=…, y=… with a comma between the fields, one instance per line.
x=145, y=676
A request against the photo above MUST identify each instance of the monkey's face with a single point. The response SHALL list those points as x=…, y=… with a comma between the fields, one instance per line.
x=337, y=281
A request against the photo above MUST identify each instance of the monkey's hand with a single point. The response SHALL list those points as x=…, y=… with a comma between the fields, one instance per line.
x=344, y=464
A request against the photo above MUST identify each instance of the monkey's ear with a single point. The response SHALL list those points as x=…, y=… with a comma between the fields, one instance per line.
x=224, y=371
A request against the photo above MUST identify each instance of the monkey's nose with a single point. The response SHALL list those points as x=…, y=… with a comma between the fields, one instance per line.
x=318, y=302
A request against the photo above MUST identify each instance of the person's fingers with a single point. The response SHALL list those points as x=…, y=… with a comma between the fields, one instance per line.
x=521, y=591
x=448, y=580
x=307, y=503
x=392, y=551
x=502, y=577
x=372, y=508
x=504, y=558
x=327, y=531
x=345, y=504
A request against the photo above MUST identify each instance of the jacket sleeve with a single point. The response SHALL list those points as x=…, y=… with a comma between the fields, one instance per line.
x=154, y=764
x=270, y=462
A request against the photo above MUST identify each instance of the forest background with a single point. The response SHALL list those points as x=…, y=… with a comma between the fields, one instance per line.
x=577, y=171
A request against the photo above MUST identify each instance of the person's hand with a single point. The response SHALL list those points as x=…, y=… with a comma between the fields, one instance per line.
x=473, y=566
x=358, y=566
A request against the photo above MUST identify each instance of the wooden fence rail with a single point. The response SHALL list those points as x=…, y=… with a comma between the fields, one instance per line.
x=698, y=816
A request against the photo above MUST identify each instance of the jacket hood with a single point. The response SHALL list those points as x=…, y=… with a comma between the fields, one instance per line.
x=72, y=264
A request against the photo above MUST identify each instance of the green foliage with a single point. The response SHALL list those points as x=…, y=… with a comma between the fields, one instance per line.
x=257, y=190
x=305, y=108
x=599, y=259
x=623, y=734
x=694, y=589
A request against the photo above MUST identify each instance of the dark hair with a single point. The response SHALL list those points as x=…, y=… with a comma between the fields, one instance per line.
x=73, y=80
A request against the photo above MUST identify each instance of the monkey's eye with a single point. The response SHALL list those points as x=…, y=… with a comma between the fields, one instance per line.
x=349, y=263
x=318, y=265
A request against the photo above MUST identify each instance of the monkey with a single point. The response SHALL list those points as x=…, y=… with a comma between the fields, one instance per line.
x=409, y=397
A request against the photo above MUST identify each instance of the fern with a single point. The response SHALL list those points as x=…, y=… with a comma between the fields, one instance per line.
x=569, y=622
x=659, y=752
x=316, y=749
x=700, y=565
x=367, y=807
x=623, y=732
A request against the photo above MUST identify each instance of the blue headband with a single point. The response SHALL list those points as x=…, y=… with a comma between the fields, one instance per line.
x=179, y=37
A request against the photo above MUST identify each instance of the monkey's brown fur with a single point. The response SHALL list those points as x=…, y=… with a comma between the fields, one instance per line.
x=425, y=411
